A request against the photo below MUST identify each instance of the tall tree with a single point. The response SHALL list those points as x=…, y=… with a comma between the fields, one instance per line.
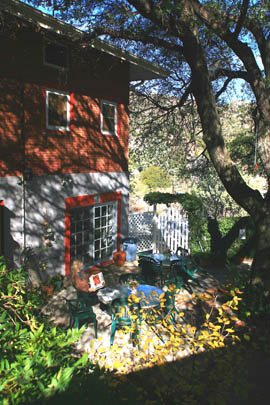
x=214, y=42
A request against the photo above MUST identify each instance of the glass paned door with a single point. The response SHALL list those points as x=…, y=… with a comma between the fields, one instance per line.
x=105, y=231
x=93, y=233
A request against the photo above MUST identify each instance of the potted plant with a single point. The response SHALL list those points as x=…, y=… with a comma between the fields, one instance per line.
x=119, y=258
x=48, y=289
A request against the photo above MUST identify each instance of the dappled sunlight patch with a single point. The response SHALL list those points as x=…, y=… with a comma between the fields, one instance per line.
x=164, y=339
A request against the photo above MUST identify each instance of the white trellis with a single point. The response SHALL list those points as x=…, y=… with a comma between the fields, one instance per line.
x=160, y=232
x=141, y=227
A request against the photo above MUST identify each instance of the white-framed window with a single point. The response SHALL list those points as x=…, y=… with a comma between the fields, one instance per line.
x=57, y=110
x=55, y=55
x=108, y=118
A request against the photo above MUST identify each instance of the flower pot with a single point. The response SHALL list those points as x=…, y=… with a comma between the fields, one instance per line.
x=48, y=289
x=119, y=258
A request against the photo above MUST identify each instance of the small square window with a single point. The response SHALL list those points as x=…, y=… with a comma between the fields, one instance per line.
x=55, y=55
x=108, y=118
x=57, y=110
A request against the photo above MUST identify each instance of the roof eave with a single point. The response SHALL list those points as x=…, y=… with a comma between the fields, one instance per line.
x=140, y=69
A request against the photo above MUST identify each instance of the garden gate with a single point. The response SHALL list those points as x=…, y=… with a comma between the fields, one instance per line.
x=159, y=232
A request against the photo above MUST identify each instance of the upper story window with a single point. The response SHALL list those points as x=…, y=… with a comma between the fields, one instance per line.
x=57, y=110
x=108, y=118
x=55, y=55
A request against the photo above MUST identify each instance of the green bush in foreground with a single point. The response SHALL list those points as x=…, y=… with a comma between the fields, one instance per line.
x=36, y=360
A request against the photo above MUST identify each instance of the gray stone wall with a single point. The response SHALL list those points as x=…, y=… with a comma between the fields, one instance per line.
x=43, y=199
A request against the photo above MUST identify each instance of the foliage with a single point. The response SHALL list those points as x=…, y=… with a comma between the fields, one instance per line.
x=162, y=136
x=155, y=177
x=56, y=281
x=229, y=241
x=205, y=183
x=199, y=238
x=37, y=360
x=255, y=305
x=190, y=203
x=169, y=341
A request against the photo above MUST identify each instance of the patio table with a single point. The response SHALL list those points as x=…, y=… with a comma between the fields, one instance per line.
x=108, y=294
x=150, y=295
x=165, y=261
x=163, y=258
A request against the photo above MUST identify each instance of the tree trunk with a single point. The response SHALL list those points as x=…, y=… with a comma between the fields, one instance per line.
x=215, y=235
x=261, y=262
x=244, y=251
x=251, y=200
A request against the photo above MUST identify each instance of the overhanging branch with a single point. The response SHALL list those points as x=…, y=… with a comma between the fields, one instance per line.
x=130, y=36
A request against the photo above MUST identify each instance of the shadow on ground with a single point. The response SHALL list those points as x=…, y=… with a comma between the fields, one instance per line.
x=232, y=375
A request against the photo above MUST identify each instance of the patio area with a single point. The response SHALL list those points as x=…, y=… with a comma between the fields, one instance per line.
x=123, y=353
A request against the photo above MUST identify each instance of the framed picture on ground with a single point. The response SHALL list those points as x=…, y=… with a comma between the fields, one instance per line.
x=96, y=281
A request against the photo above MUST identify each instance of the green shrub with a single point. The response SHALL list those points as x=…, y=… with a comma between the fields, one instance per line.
x=36, y=360
x=155, y=177
x=255, y=303
x=200, y=239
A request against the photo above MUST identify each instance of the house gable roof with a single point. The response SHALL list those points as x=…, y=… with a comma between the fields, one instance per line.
x=140, y=69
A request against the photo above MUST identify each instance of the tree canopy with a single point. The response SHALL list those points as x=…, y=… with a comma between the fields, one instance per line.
x=155, y=177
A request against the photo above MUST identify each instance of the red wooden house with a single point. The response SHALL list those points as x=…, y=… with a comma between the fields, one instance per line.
x=64, y=129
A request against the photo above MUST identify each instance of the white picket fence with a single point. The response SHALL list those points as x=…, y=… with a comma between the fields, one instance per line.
x=170, y=231
x=160, y=232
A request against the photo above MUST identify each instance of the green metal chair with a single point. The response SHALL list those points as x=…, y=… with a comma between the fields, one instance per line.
x=121, y=312
x=151, y=270
x=89, y=299
x=79, y=312
x=180, y=251
x=185, y=269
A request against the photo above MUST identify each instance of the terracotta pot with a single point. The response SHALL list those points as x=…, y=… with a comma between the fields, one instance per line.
x=48, y=289
x=119, y=258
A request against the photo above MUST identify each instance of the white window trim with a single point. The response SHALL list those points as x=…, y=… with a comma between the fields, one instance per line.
x=54, y=127
x=52, y=64
x=115, y=105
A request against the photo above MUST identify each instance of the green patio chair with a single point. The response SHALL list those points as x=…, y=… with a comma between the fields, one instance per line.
x=121, y=312
x=180, y=251
x=185, y=269
x=79, y=312
x=151, y=270
x=89, y=298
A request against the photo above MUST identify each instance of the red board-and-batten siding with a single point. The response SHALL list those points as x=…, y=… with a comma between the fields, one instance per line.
x=23, y=82
x=84, y=201
x=82, y=149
